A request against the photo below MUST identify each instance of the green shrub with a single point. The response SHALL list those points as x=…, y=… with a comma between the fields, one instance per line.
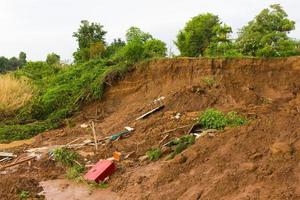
x=24, y=195
x=233, y=119
x=74, y=172
x=215, y=119
x=180, y=144
x=212, y=119
x=154, y=154
x=66, y=157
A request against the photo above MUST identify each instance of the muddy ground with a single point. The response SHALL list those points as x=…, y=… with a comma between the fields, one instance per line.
x=257, y=161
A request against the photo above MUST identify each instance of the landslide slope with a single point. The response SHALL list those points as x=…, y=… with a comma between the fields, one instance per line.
x=259, y=160
x=256, y=161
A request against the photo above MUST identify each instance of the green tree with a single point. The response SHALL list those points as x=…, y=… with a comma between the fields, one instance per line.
x=136, y=34
x=22, y=58
x=155, y=48
x=140, y=45
x=221, y=44
x=53, y=59
x=4, y=62
x=266, y=34
x=96, y=50
x=88, y=34
x=114, y=47
x=197, y=34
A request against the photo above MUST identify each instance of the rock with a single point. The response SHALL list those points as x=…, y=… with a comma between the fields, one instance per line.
x=143, y=158
x=280, y=148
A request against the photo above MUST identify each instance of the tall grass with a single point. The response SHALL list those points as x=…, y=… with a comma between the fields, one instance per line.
x=14, y=94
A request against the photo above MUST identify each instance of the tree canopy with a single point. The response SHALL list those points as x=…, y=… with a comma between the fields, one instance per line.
x=267, y=34
x=197, y=34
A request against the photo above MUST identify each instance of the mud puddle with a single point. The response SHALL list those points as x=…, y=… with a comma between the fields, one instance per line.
x=65, y=189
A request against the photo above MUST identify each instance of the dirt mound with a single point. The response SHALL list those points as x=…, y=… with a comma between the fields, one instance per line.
x=255, y=161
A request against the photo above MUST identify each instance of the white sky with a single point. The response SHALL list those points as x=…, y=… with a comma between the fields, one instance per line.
x=39, y=27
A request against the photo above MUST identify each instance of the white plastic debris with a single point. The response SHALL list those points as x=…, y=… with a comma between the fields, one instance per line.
x=84, y=125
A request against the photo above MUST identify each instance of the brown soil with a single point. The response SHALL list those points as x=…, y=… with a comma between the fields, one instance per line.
x=257, y=161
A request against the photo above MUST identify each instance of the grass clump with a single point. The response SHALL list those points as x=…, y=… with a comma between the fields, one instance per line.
x=180, y=144
x=24, y=195
x=14, y=94
x=154, y=154
x=69, y=159
x=74, y=172
x=215, y=119
x=66, y=157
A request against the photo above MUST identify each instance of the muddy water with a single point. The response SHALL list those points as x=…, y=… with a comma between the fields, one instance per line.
x=65, y=189
x=16, y=144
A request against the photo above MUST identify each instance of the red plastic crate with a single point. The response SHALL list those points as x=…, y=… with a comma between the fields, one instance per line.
x=100, y=171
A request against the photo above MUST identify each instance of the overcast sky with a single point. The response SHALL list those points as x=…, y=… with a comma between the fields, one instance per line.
x=39, y=27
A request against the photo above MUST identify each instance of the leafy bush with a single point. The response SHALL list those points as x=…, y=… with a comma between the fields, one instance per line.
x=215, y=119
x=74, y=172
x=180, y=144
x=154, y=154
x=267, y=34
x=197, y=34
x=66, y=157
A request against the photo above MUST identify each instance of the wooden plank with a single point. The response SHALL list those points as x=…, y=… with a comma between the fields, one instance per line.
x=150, y=112
x=17, y=163
x=6, y=154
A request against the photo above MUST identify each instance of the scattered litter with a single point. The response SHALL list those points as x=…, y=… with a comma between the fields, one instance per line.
x=120, y=134
x=5, y=159
x=17, y=163
x=117, y=156
x=102, y=170
x=143, y=158
x=177, y=116
x=6, y=154
x=162, y=140
x=129, y=154
x=84, y=125
x=92, y=125
x=198, y=132
x=151, y=112
x=158, y=100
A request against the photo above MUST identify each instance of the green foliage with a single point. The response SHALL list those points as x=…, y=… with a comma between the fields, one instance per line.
x=266, y=35
x=24, y=195
x=91, y=42
x=24, y=131
x=212, y=118
x=180, y=144
x=140, y=45
x=233, y=119
x=114, y=47
x=66, y=157
x=136, y=34
x=197, y=34
x=215, y=119
x=22, y=58
x=155, y=48
x=53, y=59
x=74, y=172
x=89, y=33
x=154, y=154
x=13, y=63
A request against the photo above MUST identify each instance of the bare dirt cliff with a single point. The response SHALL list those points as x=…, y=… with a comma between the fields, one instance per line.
x=259, y=160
